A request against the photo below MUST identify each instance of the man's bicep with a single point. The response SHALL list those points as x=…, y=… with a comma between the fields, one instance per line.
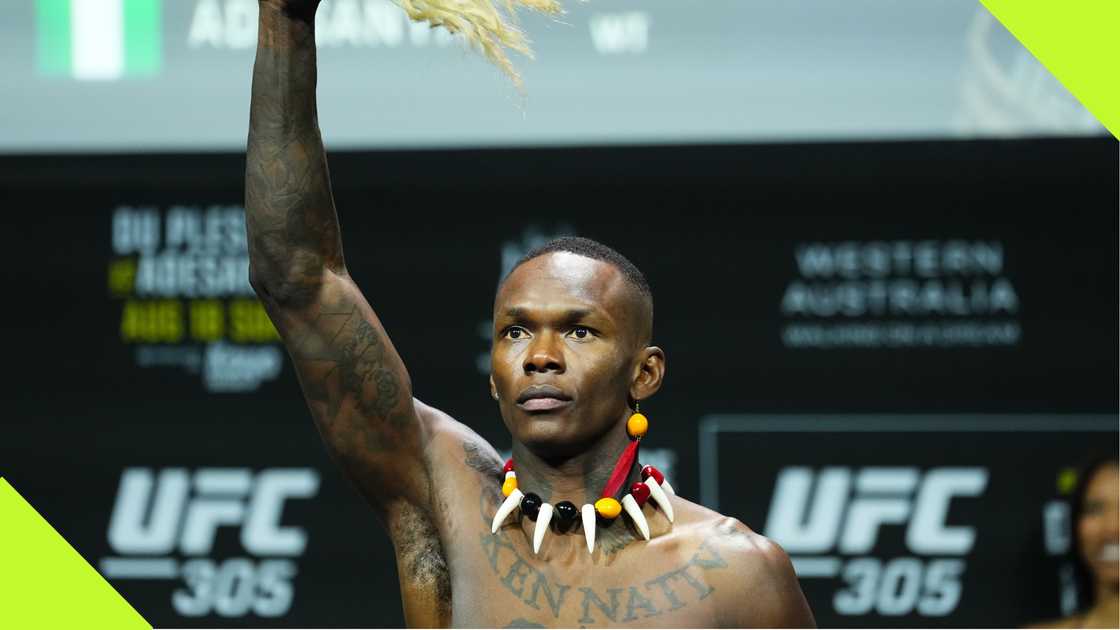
x=357, y=389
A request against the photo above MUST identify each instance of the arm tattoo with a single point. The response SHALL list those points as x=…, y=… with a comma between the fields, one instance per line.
x=361, y=360
x=341, y=357
x=290, y=216
x=348, y=371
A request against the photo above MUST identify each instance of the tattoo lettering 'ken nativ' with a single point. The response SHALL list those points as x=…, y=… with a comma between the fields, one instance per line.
x=669, y=591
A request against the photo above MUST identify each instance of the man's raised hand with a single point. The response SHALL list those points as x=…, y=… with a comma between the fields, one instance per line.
x=304, y=9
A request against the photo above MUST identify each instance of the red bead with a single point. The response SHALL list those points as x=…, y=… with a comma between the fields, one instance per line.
x=649, y=471
x=508, y=467
x=640, y=492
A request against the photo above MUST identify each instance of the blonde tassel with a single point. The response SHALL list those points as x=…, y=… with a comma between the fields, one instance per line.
x=482, y=24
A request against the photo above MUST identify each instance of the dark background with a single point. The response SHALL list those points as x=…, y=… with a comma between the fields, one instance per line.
x=714, y=228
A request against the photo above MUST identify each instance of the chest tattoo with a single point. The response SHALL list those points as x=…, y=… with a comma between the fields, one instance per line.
x=669, y=591
x=537, y=590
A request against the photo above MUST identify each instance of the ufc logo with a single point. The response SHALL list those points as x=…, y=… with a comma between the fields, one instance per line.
x=154, y=513
x=814, y=512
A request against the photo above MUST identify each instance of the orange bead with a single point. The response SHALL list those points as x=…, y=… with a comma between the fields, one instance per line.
x=509, y=485
x=637, y=425
x=608, y=507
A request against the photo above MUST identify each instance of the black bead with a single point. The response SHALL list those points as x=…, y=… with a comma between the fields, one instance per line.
x=566, y=513
x=531, y=505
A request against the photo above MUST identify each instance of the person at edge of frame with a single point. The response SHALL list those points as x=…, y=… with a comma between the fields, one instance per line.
x=1095, y=548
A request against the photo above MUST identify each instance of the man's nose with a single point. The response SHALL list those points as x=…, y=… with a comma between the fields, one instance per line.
x=545, y=355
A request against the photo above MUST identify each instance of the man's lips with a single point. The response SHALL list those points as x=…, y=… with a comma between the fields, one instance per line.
x=542, y=398
x=543, y=404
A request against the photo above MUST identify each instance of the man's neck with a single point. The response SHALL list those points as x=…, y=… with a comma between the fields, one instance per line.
x=579, y=478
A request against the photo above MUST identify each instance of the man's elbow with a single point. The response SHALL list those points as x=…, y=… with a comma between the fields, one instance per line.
x=284, y=287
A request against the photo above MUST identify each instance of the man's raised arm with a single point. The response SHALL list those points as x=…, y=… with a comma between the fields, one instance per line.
x=355, y=383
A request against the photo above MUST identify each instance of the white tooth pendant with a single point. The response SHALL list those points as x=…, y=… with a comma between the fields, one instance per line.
x=511, y=502
x=659, y=489
x=588, y=512
x=635, y=511
x=544, y=517
x=658, y=495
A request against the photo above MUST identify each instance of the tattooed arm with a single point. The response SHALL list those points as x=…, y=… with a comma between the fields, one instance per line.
x=355, y=383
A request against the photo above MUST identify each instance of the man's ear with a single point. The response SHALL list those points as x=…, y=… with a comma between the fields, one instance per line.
x=493, y=388
x=648, y=374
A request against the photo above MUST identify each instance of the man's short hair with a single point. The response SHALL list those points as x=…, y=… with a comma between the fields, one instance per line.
x=594, y=250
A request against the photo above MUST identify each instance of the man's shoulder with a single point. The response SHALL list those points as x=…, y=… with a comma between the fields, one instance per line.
x=452, y=443
x=752, y=555
x=750, y=550
x=760, y=586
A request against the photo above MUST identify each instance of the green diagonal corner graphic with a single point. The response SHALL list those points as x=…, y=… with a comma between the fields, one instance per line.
x=1079, y=43
x=45, y=583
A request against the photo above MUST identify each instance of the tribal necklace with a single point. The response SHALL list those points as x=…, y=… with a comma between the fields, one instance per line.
x=608, y=507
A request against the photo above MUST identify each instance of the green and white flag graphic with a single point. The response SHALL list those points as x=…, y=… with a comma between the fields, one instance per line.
x=98, y=39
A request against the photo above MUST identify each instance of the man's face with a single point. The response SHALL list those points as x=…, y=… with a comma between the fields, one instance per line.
x=566, y=348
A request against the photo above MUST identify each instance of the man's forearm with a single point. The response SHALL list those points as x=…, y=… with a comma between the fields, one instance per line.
x=290, y=216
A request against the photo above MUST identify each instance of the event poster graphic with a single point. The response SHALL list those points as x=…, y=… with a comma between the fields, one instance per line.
x=904, y=293
x=181, y=276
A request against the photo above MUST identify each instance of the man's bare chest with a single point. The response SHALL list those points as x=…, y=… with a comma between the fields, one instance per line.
x=498, y=582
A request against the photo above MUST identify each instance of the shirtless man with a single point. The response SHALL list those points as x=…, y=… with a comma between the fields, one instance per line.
x=570, y=358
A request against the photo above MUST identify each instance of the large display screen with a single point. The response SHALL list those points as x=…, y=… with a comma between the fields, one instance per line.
x=926, y=330
x=174, y=75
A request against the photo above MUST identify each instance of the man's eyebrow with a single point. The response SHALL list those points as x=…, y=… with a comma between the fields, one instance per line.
x=517, y=312
x=578, y=313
